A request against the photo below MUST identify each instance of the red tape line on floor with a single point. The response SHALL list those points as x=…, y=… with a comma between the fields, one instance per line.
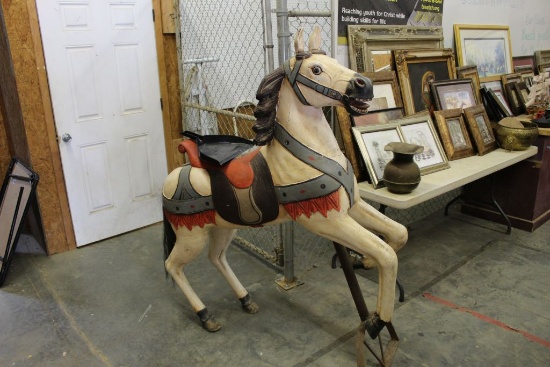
x=485, y=318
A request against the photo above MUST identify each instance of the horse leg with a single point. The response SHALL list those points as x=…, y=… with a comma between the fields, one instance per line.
x=188, y=246
x=346, y=231
x=220, y=238
x=395, y=234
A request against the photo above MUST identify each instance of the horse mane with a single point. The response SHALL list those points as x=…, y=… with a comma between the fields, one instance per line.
x=265, y=112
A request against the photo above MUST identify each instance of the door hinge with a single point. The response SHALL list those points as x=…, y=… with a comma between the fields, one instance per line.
x=153, y=11
x=161, y=105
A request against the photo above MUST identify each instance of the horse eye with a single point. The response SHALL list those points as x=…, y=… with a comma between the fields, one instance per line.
x=316, y=70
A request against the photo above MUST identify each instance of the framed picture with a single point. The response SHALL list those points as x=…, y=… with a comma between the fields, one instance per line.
x=470, y=71
x=522, y=91
x=419, y=130
x=523, y=69
x=487, y=46
x=378, y=117
x=501, y=102
x=542, y=57
x=480, y=127
x=350, y=151
x=385, y=86
x=453, y=133
x=371, y=141
x=542, y=68
x=523, y=62
x=415, y=70
x=370, y=46
x=510, y=78
x=514, y=102
x=453, y=93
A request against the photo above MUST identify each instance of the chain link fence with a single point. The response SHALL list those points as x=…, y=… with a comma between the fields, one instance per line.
x=224, y=55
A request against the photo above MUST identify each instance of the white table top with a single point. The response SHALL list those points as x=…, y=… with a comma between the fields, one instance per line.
x=462, y=172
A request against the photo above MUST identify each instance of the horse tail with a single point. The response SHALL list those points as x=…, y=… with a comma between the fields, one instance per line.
x=169, y=240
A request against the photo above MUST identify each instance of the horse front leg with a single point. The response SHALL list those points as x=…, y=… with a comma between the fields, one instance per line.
x=189, y=244
x=345, y=230
x=395, y=234
x=220, y=238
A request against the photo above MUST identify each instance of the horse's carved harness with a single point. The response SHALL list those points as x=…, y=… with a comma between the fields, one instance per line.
x=258, y=203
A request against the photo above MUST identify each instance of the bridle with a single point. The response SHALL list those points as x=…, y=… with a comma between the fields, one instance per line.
x=294, y=77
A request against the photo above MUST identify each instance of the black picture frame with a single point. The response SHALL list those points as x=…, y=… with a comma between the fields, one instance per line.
x=18, y=190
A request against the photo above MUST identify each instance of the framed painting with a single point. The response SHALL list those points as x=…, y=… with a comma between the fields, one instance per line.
x=480, y=127
x=370, y=46
x=371, y=141
x=487, y=46
x=512, y=97
x=16, y=196
x=378, y=117
x=453, y=133
x=385, y=86
x=470, y=71
x=416, y=69
x=453, y=93
x=501, y=102
x=522, y=91
x=542, y=57
x=419, y=130
x=350, y=151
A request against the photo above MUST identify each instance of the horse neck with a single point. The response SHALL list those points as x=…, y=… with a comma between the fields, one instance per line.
x=307, y=124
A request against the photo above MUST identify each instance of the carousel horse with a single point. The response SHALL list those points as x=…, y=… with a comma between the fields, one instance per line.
x=296, y=172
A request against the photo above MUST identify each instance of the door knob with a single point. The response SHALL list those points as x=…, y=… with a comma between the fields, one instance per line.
x=66, y=137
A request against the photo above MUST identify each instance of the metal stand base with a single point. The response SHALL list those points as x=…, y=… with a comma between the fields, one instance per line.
x=385, y=355
x=286, y=284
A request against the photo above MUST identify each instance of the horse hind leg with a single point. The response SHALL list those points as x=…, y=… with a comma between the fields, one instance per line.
x=220, y=238
x=187, y=247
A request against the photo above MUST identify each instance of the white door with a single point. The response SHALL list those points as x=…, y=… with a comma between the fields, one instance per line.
x=102, y=71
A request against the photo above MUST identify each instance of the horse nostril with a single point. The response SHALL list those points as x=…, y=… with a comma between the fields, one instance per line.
x=360, y=83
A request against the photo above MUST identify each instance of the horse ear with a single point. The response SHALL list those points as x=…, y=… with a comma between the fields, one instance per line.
x=299, y=41
x=314, y=43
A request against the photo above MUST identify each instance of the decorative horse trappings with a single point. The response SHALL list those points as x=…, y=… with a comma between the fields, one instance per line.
x=299, y=173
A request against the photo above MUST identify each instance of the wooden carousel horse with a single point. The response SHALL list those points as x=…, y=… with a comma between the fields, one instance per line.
x=296, y=172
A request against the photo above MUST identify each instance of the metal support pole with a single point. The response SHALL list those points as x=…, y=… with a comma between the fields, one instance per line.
x=283, y=31
x=268, y=41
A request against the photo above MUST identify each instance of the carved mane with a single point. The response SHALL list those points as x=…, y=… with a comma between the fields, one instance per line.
x=266, y=110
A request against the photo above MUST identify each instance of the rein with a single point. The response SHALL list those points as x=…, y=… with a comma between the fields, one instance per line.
x=294, y=77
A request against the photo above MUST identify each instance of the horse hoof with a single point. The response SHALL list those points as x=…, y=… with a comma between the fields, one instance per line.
x=374, y=325
x=211, y=325
x=207, y=321
x=251, y=308
x=248, y=305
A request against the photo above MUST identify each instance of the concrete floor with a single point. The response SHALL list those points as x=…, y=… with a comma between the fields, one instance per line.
x=474, y=297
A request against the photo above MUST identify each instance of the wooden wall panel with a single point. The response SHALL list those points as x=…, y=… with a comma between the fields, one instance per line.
x=25, y=41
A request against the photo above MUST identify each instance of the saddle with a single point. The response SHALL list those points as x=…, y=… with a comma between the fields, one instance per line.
x=242, y=188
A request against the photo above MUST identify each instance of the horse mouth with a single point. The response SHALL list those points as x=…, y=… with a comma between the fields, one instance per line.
x=358, y=106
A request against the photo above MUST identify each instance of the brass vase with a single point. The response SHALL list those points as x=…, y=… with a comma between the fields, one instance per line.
x=402, y=174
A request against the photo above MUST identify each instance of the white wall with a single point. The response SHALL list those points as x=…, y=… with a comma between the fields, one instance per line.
x=529, y=21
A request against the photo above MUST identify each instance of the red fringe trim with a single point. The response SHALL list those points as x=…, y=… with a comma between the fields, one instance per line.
x=191, y=220
x=318, y=205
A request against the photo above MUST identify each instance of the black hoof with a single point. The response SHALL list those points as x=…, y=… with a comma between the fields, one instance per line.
x=207, y=321
x=248, y=305
x=374, y=325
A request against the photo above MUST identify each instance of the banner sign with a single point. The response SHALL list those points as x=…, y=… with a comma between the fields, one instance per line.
x=388, y=12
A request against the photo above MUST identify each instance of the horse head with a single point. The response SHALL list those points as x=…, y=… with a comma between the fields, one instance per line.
x=319, y=80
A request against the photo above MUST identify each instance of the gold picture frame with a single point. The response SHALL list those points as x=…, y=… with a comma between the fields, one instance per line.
x=385, y=82
x=470, y=71
x=453, y=133
x=480, y=127
x=366, y=42
x=417, y=68
x=510, y=78
x=472, y=42
x=541, y=57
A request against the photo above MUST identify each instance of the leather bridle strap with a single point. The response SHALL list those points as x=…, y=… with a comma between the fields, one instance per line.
x=294, y=77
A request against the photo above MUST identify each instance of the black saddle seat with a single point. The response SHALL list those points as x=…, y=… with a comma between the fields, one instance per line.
x=219, y=149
